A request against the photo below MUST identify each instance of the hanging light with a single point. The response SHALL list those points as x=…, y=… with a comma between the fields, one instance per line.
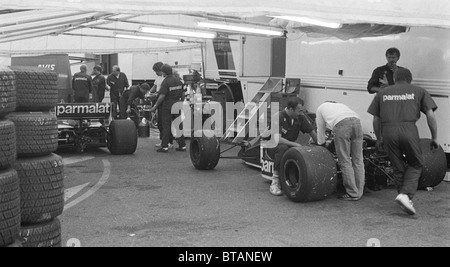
x=236, y=28
x=332, y=25
x=175, y=32
x=145, y=38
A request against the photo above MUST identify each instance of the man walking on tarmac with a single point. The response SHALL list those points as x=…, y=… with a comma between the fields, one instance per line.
x=396, y=110
x=81, y=85
x=170, y=93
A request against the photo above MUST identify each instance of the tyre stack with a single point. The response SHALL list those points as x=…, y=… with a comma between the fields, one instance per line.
x=40, y=171
x=9, y=181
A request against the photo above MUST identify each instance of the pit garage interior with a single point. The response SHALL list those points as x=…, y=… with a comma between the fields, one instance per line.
x=136, y=197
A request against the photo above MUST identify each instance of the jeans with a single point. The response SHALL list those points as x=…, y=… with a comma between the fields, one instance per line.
x=349, y=149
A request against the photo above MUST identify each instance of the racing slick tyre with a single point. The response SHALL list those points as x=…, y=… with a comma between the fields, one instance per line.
x=36, y=133
x=308, y=173
x=7, y=92
x=205, y=150
x=9, y=207
x=122, y=137
x=434, y=165
x=37, y=88
x=8, y=144
x=41, y=235
x=41, y=188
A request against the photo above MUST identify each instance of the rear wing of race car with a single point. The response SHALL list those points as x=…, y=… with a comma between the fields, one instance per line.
x=83, y=111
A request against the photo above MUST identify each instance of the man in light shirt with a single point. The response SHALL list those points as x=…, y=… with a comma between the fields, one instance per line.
x=348, y=139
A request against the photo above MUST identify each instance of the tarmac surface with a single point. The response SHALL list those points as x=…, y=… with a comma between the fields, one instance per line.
x=160, y=200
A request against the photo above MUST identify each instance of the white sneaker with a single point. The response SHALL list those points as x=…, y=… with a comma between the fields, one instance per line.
x=170, y=145
x=406, y=204
x=275, y=189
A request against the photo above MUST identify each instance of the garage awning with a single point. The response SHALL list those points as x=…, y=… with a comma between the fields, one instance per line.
x=82, y=26
x=399, y=12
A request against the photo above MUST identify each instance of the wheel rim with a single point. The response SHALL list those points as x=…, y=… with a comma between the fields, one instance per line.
x=195, y=151
x=292, y=174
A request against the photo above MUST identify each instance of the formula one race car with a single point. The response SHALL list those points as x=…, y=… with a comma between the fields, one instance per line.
x=311, y=172
x=84, y=125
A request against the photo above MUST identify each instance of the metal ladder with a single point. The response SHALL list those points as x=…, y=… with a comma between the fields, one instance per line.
x=239, y=129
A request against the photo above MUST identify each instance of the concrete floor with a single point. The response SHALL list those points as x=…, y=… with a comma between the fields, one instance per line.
x=160, y=200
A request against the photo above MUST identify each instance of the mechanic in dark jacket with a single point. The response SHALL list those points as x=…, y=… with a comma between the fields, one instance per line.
x=396, y=110
x=135, y=92
x=384, y=76
x=170, y=93
x=291, y=121
x=82, y=85
x=117, y=83
x=99, y=83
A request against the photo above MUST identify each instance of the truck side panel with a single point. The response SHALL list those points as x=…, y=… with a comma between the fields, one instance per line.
x=425, y=51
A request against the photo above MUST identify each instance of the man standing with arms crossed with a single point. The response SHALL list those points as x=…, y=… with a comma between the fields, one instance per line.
x=396, y=110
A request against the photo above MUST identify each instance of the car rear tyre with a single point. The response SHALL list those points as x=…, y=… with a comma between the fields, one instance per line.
x=434, y=165
x=123, y=137
x=41, y=188
x=9, y=207
x=205, y=150
x=308, y=173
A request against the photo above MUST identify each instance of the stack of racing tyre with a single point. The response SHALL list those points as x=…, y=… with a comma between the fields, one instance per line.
x=40, y=171
x=9, y=181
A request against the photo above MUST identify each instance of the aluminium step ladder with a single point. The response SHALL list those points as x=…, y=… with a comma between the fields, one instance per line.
x=239, y=130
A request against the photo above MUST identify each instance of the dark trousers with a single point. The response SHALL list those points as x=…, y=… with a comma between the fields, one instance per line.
x=160, y=126
x=81, y=98
x=277, y=154
x=167, y=119
x=123, y=107
x=402, y=143
x=98, y=95
x=114, y=103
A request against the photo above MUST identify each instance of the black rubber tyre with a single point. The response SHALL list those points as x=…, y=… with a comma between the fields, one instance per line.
x=8, y=150
x=37, y=88
x=41, y=188
x=308, y=173
x=41, y=235
x=9, y=207
x=122, y=137
x=205, y=150
x=37, y=133
x=8, y=100
x=434, y=165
